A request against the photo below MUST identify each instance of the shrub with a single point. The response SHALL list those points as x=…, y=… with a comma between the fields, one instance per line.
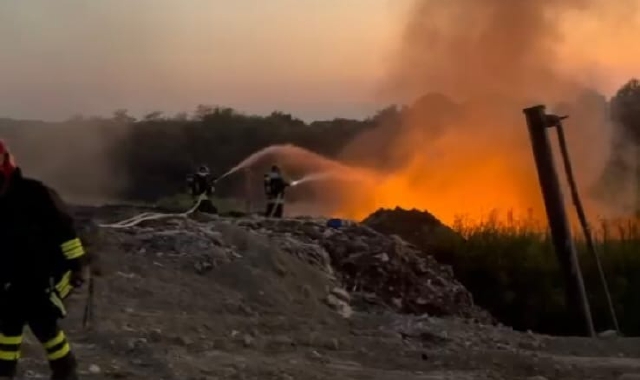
x=512, y=270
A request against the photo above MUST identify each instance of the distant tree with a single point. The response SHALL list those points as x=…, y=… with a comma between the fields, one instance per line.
x=282, y=118
x=155, y=152
x=153, y=116
x=121, y=116
x=625, y=112
x=77, y=118
x=202, y=111
x=180, y=116
x=625, y=109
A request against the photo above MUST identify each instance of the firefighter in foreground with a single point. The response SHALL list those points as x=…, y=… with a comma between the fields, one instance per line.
x=202, y=187
x=41, y=262
x=274, y=187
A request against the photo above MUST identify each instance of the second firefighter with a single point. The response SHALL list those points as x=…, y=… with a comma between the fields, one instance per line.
x=274, y=187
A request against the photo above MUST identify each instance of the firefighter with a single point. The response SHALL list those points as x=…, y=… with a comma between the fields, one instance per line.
x=201, y=184
x=41, y=262
x=274, y=187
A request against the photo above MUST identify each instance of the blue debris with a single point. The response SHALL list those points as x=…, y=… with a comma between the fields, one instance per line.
x=335, y=223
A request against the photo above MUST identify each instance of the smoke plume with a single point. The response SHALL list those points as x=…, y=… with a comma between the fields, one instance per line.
x=75, y=158
x=474, y=65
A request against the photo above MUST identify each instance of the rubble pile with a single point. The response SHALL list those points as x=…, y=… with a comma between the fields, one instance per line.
x=376, y=269
x=382, y=268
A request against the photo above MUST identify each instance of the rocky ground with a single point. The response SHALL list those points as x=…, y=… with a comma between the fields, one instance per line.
x=247, y=298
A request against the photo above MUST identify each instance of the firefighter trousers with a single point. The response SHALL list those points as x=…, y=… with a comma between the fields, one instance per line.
x=43, y=322
x=205, y=205
x=275, y=208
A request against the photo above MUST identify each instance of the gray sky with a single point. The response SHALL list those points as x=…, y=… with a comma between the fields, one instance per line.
x=315, y=58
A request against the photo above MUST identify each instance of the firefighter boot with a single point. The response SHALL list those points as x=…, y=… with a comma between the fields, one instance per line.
x=73, y=375
x=64, y=368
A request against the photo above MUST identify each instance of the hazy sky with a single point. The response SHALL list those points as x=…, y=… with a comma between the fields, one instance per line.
x=315, y=58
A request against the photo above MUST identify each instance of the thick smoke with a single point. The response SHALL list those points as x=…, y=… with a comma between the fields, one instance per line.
x=76, y=158
x=463, y=148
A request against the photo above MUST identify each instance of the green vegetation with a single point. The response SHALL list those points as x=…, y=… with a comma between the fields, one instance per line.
x=512, y=270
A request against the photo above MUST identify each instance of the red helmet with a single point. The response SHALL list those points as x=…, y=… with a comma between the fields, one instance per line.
x=8, y=164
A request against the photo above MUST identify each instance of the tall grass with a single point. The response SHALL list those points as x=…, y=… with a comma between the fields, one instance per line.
x=511, y=268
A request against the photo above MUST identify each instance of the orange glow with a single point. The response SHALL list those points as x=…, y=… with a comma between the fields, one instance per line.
x=470, y=155
x=465, y=173
x=470, y=190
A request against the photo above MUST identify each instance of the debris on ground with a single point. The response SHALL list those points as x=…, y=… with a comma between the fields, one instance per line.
x=209, y=297
x=375, y=265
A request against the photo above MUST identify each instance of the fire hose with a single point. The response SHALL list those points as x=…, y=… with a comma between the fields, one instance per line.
x=146, y=216
x=154, y=216
x=87, y=317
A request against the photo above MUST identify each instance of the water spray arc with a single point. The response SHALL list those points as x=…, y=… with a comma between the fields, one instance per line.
x=319, y=176
x=244, y=164
x=254, y=158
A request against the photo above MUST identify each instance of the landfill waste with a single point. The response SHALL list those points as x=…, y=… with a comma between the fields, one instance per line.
x=382, y=269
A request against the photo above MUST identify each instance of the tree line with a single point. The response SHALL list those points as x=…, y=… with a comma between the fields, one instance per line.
x=149, y=157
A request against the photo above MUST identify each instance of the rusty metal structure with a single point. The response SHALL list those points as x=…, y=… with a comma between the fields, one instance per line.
x=538, y=122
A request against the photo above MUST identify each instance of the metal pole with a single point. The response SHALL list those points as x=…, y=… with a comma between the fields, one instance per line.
x=564, y=150
x=576, y=295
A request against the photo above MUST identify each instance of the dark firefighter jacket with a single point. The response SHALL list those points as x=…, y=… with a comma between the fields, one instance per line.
x=200, y=184
x=38, y=244
x=274, y=185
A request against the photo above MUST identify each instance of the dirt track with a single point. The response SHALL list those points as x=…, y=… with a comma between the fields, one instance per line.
x=257, y=312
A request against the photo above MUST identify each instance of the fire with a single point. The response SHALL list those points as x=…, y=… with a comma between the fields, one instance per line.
x=464, y=150
x=461, y=174
x=455, y=161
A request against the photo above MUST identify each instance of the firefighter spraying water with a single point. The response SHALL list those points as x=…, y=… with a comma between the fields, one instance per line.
x=201, y=184
x=275, y=185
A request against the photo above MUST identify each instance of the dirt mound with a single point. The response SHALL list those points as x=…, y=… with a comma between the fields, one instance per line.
x=374, y=267
x=419, y=228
